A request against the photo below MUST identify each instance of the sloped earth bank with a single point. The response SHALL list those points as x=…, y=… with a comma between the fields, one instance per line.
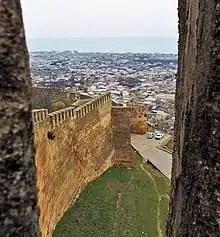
x=121, y=203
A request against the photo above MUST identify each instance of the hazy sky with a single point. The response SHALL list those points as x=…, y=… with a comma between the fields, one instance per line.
x=82, y=18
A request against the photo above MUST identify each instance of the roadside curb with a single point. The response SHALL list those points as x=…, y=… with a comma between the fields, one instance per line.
x=164, y=149
x=135, y=150
x=162, y=145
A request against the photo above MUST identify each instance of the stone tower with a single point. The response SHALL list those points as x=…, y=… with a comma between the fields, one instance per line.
x=138, y=119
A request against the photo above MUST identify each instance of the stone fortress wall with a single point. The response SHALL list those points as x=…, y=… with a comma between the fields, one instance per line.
x=138, y=119
x=138, y=113
x=75, y=145
x=121, y=128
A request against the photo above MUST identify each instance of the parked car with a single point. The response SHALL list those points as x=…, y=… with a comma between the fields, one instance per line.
x=150, y=135
x=159, y=136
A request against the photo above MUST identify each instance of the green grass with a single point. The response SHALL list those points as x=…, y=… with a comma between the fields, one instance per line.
x=121, y=203
x=169, y=145
x=163, y=213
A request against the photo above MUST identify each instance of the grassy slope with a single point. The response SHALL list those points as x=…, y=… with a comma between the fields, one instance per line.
x=120, y=203
x=169, y=145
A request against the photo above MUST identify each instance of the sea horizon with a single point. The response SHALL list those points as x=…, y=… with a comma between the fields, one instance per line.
x=130, y=44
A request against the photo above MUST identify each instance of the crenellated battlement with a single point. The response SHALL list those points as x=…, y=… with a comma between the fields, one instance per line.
x=92, y=104
x=57, y=117
x=39, y=115
x=137, y=108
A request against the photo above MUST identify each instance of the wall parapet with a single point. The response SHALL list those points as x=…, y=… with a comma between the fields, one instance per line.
x=92, y=105
x=137, y=108
x=59, y=116
x=39, y=115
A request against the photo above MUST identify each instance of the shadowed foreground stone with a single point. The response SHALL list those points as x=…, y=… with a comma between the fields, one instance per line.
x=18, y=193
x=195, y=195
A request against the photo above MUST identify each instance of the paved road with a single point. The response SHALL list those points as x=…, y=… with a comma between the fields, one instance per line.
x=149, y=151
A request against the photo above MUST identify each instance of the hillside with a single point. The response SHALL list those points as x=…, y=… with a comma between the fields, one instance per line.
x=120, y=203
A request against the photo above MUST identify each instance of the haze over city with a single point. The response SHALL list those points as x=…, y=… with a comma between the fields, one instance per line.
x=98, y=18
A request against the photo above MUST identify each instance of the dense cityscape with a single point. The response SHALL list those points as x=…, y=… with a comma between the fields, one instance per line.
x=147, y=79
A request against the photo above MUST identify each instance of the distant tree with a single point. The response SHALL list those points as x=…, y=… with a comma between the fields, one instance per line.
x=18, y=192
x=195, y=194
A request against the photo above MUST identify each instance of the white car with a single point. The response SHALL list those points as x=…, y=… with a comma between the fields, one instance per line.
x=150, y=135
x=159, y=136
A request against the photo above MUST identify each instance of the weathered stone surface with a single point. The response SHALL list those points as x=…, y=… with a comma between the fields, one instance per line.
x=80, y=151
x=137, y=115
x=121, y=126
x=75, y=146
x=195, y=195
x=138, y=119
x=18, y=193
